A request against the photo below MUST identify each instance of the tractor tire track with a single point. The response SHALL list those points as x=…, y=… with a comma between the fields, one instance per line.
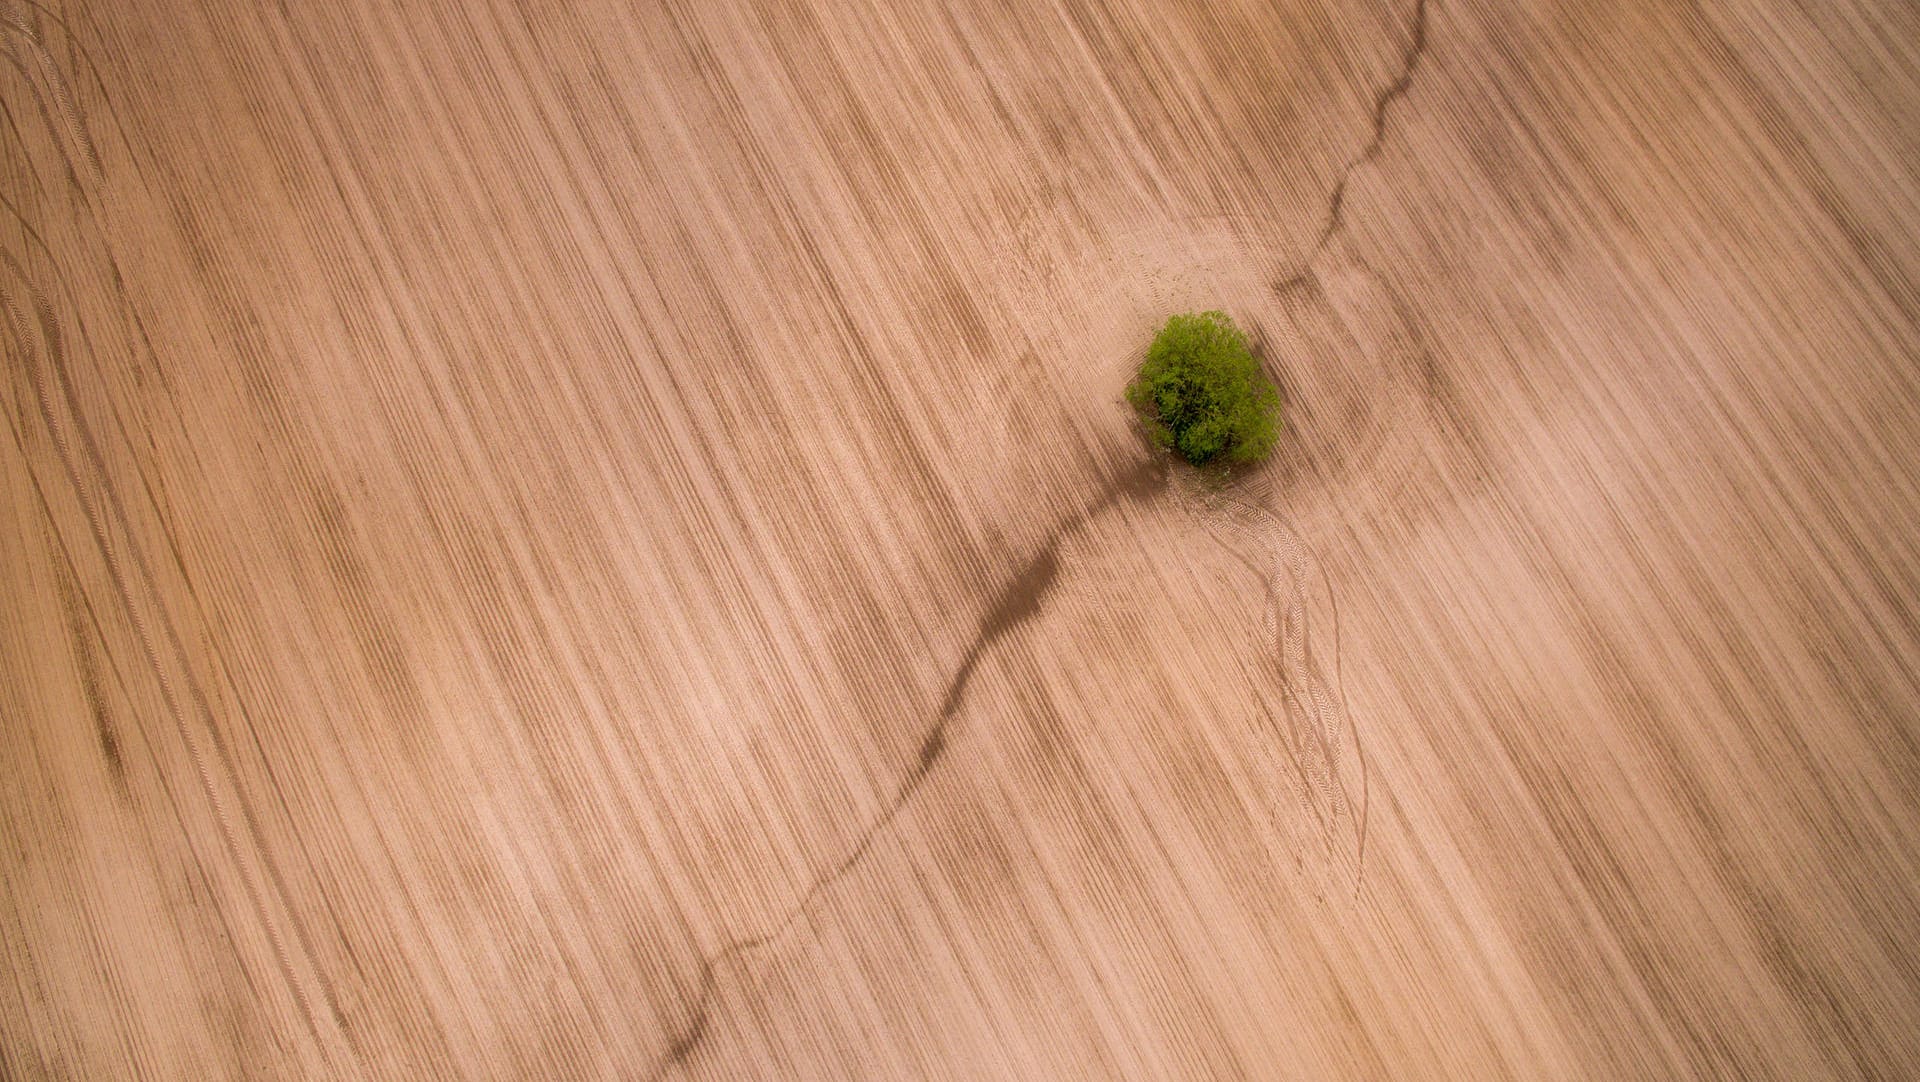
x=26, y=38
x=1309, y=680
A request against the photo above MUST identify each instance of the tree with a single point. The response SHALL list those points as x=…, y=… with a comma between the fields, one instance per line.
x=1202, y=394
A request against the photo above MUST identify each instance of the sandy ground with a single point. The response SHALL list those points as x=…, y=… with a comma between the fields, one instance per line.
x=601, y=540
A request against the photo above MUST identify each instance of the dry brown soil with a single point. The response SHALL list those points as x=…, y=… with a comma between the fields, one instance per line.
x=591, y=539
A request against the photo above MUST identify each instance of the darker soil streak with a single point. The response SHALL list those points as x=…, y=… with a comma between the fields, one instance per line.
x=1337, y=199
x=88, y=663
x=1018, y=602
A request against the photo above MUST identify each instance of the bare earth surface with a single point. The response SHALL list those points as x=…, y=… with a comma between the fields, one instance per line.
x=601, y=540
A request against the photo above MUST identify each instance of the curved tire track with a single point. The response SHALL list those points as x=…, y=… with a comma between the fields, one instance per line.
x=1309, y=681
x=27, y=39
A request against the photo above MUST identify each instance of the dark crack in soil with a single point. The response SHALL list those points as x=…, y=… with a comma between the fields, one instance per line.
x=1019, y=601
x=1382, y=104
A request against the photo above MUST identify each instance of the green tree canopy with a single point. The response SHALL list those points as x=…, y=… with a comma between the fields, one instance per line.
x=1202, y=394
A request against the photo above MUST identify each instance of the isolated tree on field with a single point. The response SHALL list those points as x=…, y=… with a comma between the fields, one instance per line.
x=1202, y=394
